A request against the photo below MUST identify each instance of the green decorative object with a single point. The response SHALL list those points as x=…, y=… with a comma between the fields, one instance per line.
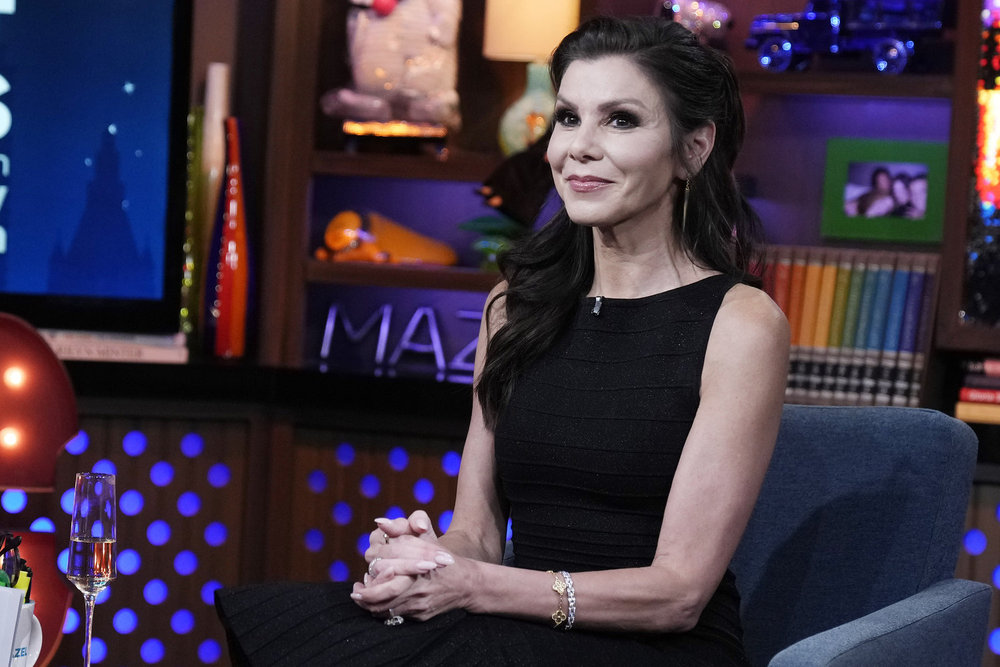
x=526, y=120
x=497, y=233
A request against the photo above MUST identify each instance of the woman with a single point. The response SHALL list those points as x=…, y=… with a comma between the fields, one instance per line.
x=877, y=201
x=629, y=390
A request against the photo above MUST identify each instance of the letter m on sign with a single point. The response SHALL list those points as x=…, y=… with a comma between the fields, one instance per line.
x=382, y=317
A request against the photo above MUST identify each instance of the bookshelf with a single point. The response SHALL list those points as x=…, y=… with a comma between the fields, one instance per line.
x=860, y=322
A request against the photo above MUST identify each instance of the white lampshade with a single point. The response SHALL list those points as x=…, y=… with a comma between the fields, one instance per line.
x=527, y=30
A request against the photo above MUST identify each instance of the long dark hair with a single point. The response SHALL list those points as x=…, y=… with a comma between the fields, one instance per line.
x=548, y=273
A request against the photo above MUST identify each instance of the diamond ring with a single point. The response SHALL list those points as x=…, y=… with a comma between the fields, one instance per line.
x=371, y=572
x=394, y=619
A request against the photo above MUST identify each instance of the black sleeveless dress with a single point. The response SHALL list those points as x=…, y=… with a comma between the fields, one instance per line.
x=586, y=452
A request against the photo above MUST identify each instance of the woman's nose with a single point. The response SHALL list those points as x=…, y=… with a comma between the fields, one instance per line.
x=585, y=144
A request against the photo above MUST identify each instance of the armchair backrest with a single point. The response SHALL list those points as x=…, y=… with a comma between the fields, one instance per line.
x=861, y=507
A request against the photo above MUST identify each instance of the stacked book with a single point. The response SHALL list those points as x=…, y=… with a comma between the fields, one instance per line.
x=861, y=322
x=124, y=347
x=979, y=395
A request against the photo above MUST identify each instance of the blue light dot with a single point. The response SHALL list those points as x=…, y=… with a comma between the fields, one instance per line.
x=14, y=500
x=395, y=512
x=161, y=474
x=192, y=445
x=423, y=491
x=158, y=532
x=103, y=596
x=370, y=486
x=151, y=651
x=314, y=540
x=71, y=622
x=363, y=543
x=62, y=561
x=510, y=530
x=995, y=641
x=134, y=443
x=345, y=454
x=219, y=475
x=42, y=525
x=996, y=576
x=339, y=571
x=216, y=534
x=342, y=513
x=398, y=458
x=185, y=563
x=208, y=592
x=66, y=501
x=188, y=504
x=155, y=591
x=124, y=621
x=209, y=651
x=450, y=463
x=317, y=481
x=78, y=445
x=130, y=502
x=182, y=621
x=98, y=650
x=129, y=561
x=444, y=521
x=105, y=466
x=975, y=542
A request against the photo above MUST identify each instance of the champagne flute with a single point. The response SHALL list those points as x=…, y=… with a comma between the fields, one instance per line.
x=92, y=541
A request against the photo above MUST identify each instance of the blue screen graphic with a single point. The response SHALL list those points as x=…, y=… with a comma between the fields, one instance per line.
x=84, y=144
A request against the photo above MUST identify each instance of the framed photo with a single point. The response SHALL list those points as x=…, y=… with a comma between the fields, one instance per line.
x=884, y=190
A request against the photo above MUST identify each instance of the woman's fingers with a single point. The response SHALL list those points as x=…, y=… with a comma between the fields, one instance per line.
x=420, y=523
x=394, y=527
x=383, y=569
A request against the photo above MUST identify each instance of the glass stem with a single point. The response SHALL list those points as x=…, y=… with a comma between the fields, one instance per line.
x=88, y=600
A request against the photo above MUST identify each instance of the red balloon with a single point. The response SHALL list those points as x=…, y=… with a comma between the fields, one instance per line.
x=37, y=408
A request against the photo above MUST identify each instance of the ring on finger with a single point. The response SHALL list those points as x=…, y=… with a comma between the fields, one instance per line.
x=394, y=619
x=385, y=538
x=371, y=565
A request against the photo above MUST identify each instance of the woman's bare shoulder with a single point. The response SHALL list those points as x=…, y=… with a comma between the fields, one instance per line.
x=749, y=315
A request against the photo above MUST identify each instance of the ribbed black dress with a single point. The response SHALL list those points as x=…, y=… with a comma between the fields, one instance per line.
x=586, y=452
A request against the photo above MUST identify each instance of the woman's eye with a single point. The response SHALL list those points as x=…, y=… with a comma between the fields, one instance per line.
x=565, y=117
x=622, y=120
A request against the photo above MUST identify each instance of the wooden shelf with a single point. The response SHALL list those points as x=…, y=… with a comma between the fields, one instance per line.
x=459, y=166
x=857, y=84
x=396, y=275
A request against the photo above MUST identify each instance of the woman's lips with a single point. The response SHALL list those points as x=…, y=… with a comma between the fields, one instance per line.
x=586, y=183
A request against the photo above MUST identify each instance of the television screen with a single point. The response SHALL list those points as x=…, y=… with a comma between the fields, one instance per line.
x=93, y=105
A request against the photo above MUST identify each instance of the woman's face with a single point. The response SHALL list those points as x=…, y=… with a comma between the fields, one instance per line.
x=610, y=151
x=883, y=182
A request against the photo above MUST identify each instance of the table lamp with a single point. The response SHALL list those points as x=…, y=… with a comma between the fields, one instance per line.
x=527, y=31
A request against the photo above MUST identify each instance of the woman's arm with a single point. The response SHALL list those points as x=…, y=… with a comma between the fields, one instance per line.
x=479, y=523
x=714, y=490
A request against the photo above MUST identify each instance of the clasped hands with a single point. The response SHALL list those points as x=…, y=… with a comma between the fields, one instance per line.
x=408, y=571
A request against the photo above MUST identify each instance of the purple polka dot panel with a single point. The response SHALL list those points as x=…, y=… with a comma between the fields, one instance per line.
x=979, y=556
x=182, y=500
x=343, y=481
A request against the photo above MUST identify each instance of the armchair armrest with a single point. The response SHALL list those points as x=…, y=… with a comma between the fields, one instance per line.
x=944, y=624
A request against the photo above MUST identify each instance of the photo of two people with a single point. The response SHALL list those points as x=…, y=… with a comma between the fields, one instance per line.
x=878, y=190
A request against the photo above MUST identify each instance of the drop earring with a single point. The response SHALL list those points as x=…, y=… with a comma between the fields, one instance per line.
x=684, y=209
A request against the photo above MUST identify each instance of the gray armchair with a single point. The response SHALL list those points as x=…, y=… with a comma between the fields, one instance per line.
x=850, y=554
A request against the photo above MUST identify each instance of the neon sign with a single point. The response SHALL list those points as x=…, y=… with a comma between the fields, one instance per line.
x=421, y=343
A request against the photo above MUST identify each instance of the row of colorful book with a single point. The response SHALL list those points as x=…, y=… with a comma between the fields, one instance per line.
x=861, y=322
x=979, y=394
